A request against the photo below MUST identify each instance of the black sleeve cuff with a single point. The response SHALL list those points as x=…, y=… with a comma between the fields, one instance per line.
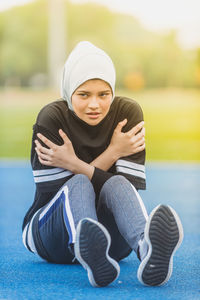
x=99, y=178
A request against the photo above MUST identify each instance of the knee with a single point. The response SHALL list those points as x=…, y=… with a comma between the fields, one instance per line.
x=83, y=182
x=78, y=182
x=116, y=181
x=115, y=184
x=81, y=178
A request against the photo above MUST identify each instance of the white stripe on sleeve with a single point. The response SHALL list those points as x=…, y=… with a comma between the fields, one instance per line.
x=50, y=174
x=47, y=171
x=131, y=168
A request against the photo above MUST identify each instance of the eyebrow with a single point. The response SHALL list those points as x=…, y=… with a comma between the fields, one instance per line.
x=84, y=91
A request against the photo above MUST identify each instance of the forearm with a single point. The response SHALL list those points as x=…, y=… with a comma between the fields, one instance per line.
x=81, y=167
x=121, y=145
x=106, y=159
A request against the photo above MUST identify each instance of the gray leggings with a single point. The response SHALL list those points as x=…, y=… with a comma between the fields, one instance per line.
x=120, y=209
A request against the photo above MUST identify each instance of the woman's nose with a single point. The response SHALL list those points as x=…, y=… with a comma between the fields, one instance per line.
x=93, y=102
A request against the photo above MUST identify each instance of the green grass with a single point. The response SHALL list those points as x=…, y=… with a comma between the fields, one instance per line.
x=172, y=122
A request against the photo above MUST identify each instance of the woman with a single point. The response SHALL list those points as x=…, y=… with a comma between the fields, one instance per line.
x=88, y=156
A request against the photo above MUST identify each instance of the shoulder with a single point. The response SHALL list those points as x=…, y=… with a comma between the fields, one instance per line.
x=127, y=106
x=53, y=111
x=53, y=108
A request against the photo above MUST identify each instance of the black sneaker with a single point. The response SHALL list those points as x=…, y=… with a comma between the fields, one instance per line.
x=163, y=234
x=91, y=249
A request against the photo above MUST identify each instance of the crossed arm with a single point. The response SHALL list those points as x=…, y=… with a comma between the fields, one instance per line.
x=121, y=145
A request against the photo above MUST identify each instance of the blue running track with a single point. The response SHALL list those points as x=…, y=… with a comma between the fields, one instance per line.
x=25, y=276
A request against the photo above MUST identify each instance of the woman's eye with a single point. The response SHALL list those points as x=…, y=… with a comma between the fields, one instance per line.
x=83, y=95
x=103, y=95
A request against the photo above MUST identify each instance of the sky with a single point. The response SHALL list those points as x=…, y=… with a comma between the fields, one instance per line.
x=156, y=15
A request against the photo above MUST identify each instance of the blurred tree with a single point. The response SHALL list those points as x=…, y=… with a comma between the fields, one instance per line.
x=24, y=42
x=197, y=74
x=134, y=81
x=57, y=36
x=24, y=45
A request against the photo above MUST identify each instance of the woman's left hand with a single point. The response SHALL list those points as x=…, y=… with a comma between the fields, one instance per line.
x=56, y=156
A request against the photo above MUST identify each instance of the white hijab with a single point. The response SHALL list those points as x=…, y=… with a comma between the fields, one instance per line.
x=85, y=62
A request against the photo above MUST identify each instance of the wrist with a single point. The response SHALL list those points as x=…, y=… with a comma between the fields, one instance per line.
x=81, y=167
x=114, y=153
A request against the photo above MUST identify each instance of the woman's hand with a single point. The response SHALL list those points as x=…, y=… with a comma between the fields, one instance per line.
x=121, y=145
x=130, y=142
x=57, y=156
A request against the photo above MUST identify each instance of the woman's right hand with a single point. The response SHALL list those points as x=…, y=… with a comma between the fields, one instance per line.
x=130, y=142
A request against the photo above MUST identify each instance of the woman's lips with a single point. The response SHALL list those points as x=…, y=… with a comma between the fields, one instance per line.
x=93, y=115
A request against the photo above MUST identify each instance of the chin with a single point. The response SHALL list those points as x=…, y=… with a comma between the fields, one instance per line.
x=93, y=122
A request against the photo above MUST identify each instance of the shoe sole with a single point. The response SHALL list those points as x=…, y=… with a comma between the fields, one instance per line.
x=164, y=235
x=91, y=249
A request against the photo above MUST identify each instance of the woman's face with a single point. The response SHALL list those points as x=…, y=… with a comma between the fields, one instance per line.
x=91, y=101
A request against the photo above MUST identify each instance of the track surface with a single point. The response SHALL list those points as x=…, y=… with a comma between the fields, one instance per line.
x=26, y=276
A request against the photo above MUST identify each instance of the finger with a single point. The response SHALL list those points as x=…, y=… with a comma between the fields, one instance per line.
x=46, y=141
x=136, y=137
x=143, y=131
x=140, y=148
x=64, y=136
x=140, y=134
x=137, y=140
x=120, y=125
x=139, y=143
x=44, y=162
x=136, y=128
x=41, y=148
x=42, y=155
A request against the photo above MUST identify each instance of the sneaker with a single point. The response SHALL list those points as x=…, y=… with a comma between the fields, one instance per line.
x=91, y=249
x=163, y=234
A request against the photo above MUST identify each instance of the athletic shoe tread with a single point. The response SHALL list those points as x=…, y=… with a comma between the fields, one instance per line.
x=164, y=234
x=91, y=249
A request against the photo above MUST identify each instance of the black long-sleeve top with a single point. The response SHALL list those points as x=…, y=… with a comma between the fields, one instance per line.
x=88, y=142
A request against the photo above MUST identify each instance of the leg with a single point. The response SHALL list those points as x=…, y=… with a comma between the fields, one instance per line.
x=123, y=201
x=119, y=248
x=155, y=238
x=54, y=226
